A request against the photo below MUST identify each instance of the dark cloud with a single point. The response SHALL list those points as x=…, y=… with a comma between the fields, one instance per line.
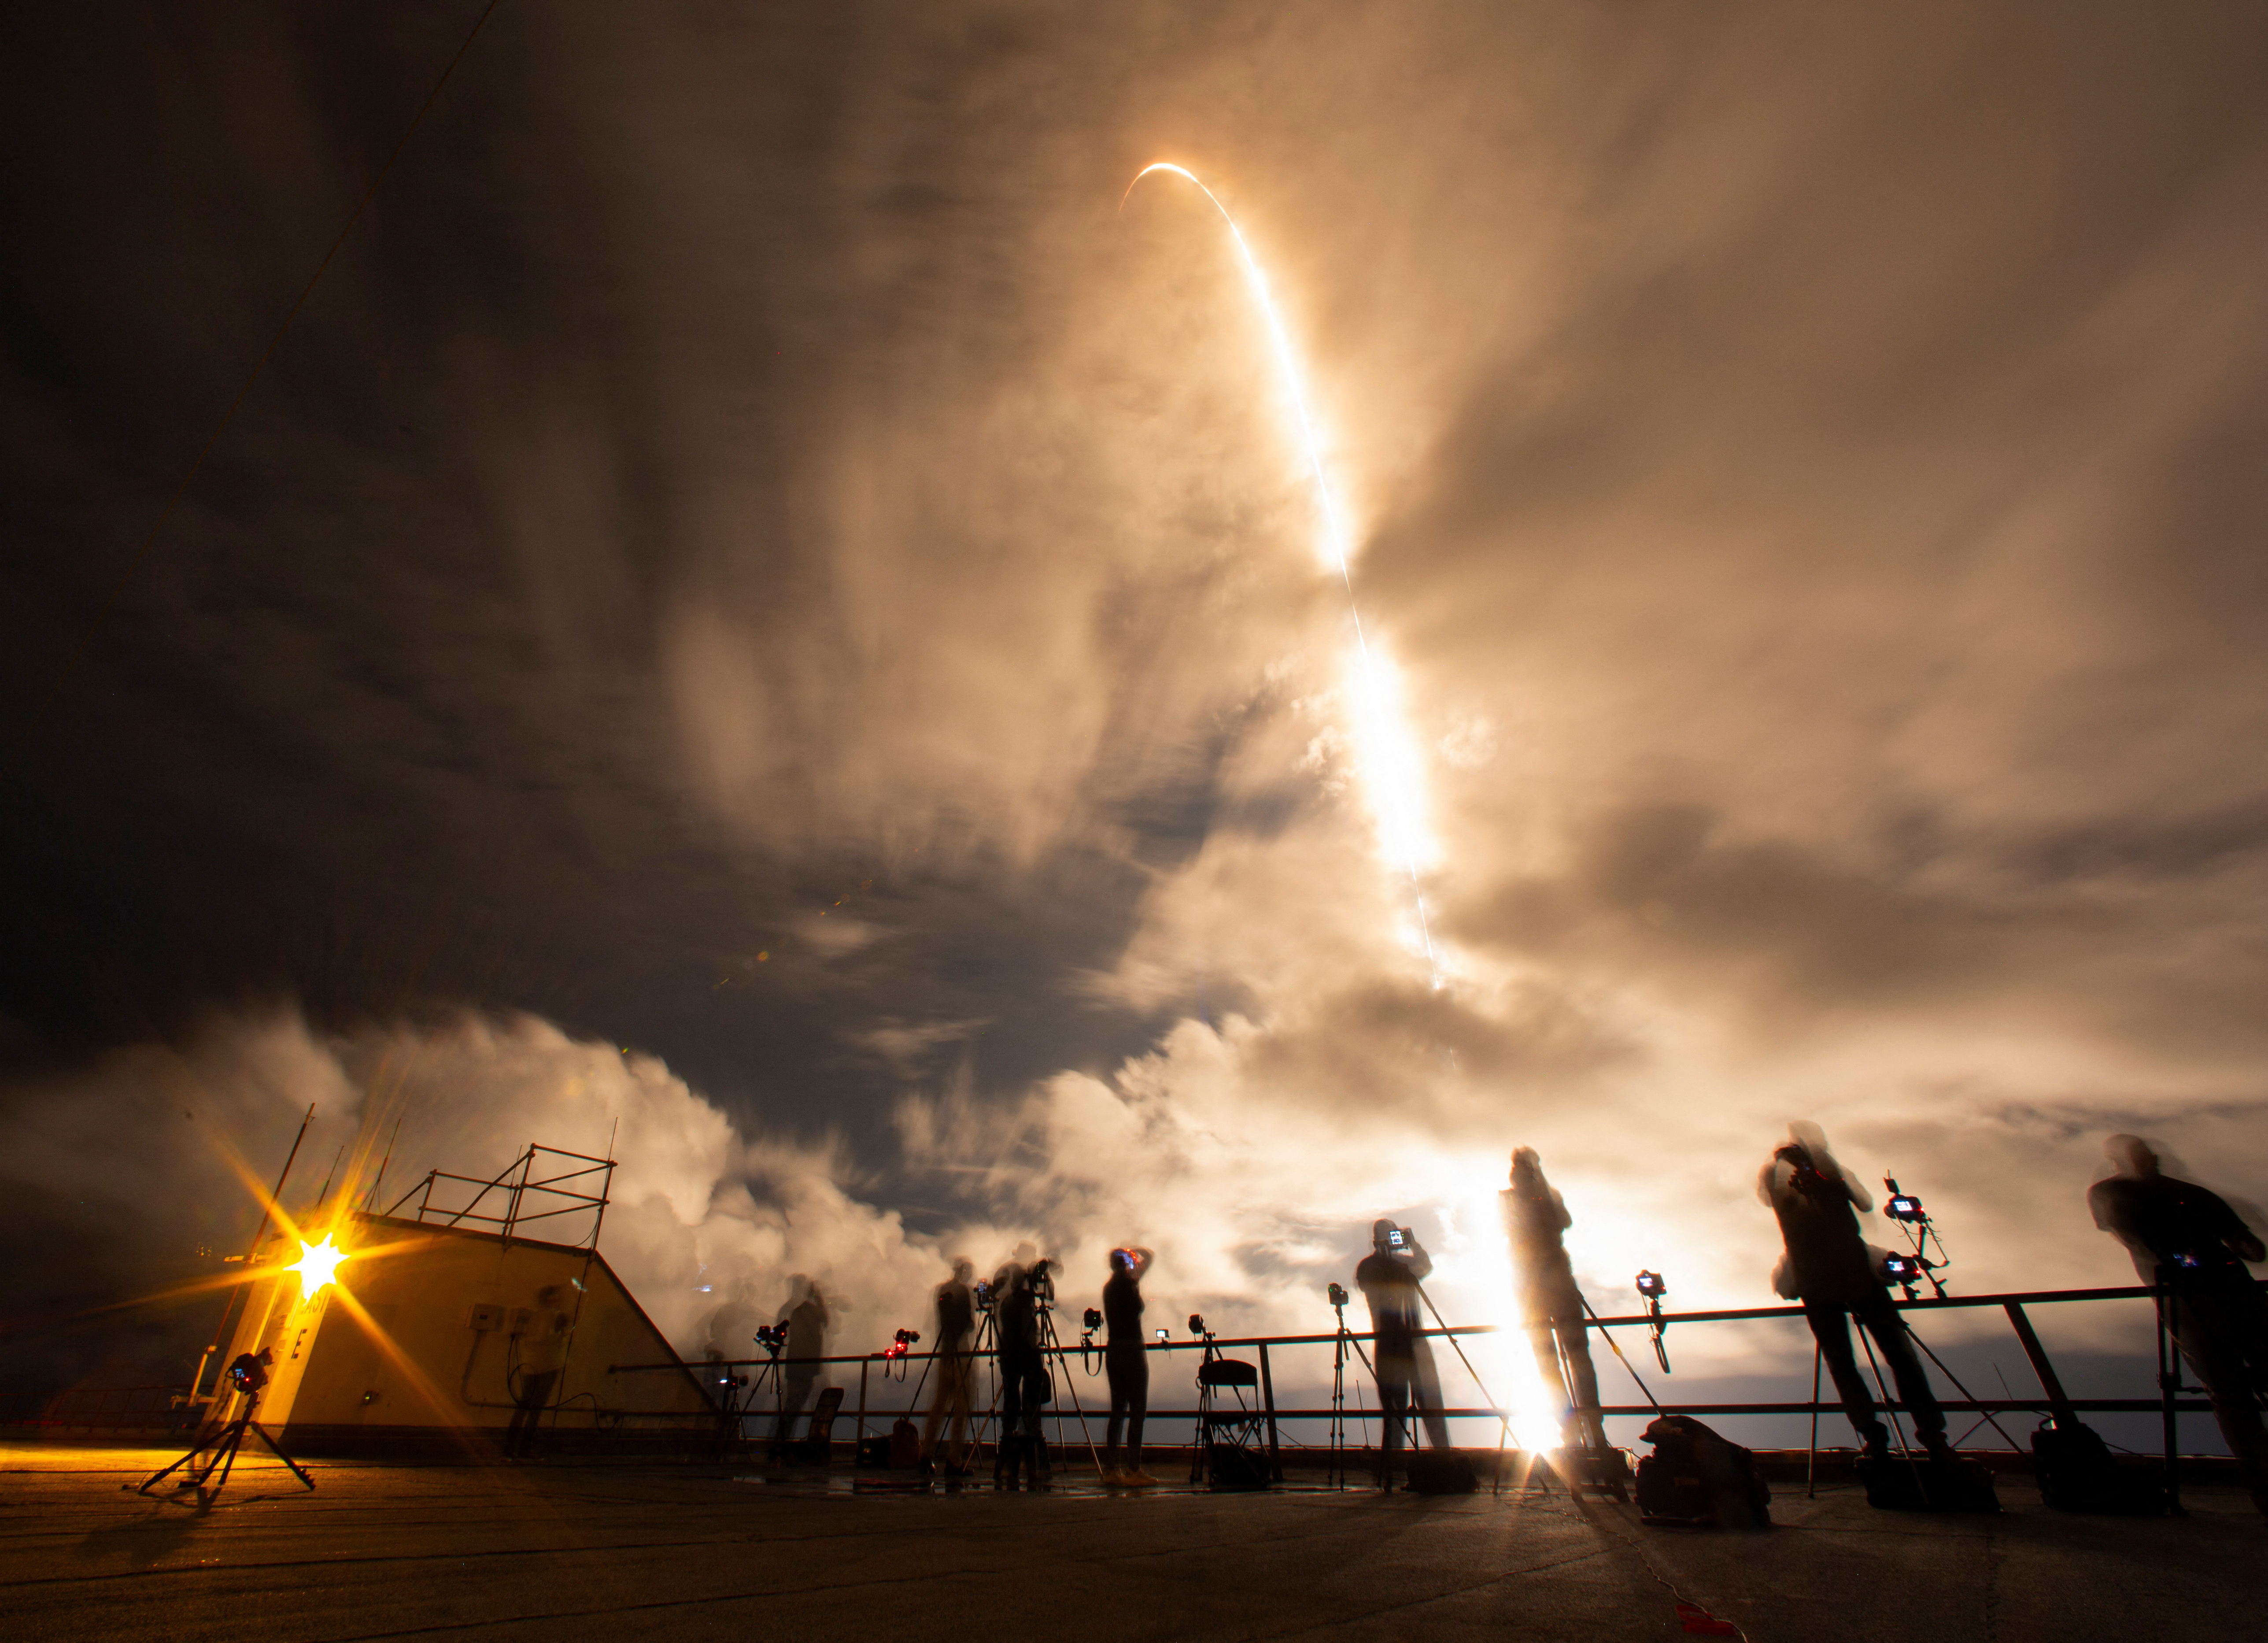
x=751, y=553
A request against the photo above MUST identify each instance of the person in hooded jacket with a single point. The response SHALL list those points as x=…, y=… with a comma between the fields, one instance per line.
x=1550, y=1305
x=1020, y=1292
x=1389, y=1277
x=1829, y=1267
x=2186, y=1239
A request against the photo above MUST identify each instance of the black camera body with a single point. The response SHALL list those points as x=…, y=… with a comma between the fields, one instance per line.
x=771, y=1337
x=1903, y=1206
x=247, y=1373
x=1652, y=1285
x=1092, y=1320
x=981, y=1292
x=1337, y=1294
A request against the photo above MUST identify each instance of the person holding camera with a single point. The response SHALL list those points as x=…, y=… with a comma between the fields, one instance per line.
x=1550, y=1306
x=955, y=1365
x=1389, y=1277
x=1024, y=1292
x=1126, y=1361
x=2186, y=1241
x=540, y=1352
x=805, y=1323
x=1830, y=1269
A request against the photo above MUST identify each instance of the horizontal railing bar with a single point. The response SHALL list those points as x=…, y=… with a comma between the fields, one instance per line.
x=561, y=1151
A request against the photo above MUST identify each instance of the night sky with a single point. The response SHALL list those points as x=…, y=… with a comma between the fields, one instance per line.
x=756, y=599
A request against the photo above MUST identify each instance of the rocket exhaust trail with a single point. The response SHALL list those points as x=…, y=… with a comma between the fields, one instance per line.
x=1395, y=813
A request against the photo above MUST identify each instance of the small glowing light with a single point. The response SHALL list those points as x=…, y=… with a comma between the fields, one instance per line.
x=318, y=1264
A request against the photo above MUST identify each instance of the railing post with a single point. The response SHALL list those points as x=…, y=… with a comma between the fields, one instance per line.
x=1268, y=1399
x=864, y=1364
x=2169, y=1382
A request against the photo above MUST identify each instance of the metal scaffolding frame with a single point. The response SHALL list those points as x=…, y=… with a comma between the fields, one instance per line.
x=520, y=1185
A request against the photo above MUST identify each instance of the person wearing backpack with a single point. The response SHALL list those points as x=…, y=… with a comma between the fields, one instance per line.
x=2187, y=1242
x=1830, y=1269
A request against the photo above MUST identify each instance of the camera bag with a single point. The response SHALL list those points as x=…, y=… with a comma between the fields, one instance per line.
x=2076, y=1473
x=1442, y=1472
x=905, y=1445
x=1899, y=1482
x=1696, y=1474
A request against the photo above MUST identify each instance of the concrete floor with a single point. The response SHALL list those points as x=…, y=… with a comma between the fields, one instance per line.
x=591, y=1551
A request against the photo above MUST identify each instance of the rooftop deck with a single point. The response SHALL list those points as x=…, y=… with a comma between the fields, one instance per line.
x=588, y=1551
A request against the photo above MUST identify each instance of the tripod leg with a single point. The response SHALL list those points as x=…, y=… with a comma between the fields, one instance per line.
x=159, y=1477
x=1964, y=1392
x=276, y=1450
x=1811, y=1460
x=227, y=1454
x=2169, y=1380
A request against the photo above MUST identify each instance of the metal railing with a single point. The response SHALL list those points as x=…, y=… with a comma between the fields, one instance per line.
x=141, y=1408
x=520, y=1187
x=2167, y=1401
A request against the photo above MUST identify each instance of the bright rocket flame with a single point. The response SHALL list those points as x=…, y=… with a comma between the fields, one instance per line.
x=318, y=1264
x=1392, y=771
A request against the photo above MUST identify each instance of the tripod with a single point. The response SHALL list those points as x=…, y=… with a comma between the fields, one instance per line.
x=220, y=1450
x=1337, y=1474
x=1051, y=1346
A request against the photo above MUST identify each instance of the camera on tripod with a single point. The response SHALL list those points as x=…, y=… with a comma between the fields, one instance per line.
x=1654, y=1286
x=901, y=1343
x=1907, y=1271
x=1041, y=1279
x=1337, y=1294
x=983, y=1291
x=249, y=1371
x=1911, y=1270
x=1198, y=1327
x=771, y=1337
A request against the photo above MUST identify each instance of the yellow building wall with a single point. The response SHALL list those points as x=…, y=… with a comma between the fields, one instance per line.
x=424, y=1335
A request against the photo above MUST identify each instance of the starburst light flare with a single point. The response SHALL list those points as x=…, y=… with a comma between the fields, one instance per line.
x=1392, y=768
x=318, y=1264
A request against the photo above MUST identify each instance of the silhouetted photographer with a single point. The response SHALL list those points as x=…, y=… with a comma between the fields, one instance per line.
x=1022, y=1292
x=805, y=1323
x=1829, y=1268
x=1389, y=1277
x=1550, y=1306
x=1125, y=1361
x=954, y=1365
x=2187, y=1241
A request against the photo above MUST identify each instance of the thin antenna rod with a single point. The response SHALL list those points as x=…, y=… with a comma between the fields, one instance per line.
x=276, y=1197
x=371, y=1197
x=323, y=1196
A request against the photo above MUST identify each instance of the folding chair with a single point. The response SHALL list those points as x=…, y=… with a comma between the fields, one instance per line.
x=816, y=1447
x=1231, y=1442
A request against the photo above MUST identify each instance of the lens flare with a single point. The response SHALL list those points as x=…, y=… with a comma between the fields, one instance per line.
x=318, y=1264
x=1392, y=770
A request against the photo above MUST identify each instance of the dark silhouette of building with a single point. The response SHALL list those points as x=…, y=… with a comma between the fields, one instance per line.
x=2188, y=1239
